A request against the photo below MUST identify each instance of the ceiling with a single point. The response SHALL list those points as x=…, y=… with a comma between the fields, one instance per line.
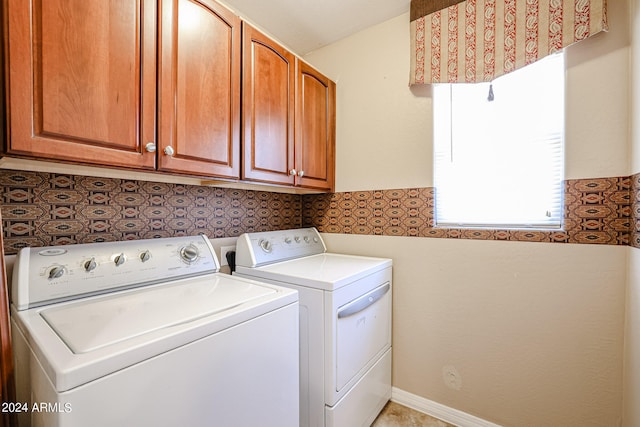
x=306, y=25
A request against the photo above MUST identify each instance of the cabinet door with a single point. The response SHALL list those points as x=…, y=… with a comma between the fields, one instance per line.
x=82, y=80
x=268, y=109
x=315, y=129
x=8, y=392
x=199, y=89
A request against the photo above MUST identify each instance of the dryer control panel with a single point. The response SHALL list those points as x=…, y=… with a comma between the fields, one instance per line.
x=268, y=247
x=56, y=273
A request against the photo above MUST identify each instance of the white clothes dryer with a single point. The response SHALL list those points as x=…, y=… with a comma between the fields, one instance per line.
x=345, y=322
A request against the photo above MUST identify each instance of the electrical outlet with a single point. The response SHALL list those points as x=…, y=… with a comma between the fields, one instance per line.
x=223, y=254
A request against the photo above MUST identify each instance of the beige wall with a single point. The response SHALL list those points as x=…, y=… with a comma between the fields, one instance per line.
x=632, y=344
x=535, y=331
x=382, y=127
x=631, y=407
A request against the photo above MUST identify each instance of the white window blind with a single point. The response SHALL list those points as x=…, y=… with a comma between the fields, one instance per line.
x=500, y=163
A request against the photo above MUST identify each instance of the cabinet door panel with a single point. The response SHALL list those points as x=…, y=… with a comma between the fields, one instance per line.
x=82, y=80
x=200, y=89
x=268, y=109
x=8, y=391
x=315, y=129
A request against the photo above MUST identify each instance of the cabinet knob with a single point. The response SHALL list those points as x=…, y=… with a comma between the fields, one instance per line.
x=150, y=147
x=169, y=151
x=293, y=172
x=301, y=173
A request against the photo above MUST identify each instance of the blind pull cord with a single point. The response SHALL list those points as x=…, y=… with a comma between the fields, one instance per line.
x=490, y=98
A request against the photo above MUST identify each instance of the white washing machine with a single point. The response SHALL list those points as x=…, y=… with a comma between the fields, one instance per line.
x=149, y=333
x=345, y=322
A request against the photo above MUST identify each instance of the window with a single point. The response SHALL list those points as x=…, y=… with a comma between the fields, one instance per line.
x=500, y=163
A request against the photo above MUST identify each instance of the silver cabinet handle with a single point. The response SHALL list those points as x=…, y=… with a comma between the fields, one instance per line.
x=364, y=301
x=150, y=147
x=301, y=174
x=293, y=172
x=169, y=151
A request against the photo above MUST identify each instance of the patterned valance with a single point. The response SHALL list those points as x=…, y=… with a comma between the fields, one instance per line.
x=474, y=41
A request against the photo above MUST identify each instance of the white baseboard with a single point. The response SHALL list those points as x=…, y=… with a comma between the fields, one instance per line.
x=438, y=410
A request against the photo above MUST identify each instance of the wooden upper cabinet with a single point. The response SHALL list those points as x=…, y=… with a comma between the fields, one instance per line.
x=268, y=99
x=82, y=80
x=315, y=129
x=199, y=89
x=288, y=117
x=156, y=85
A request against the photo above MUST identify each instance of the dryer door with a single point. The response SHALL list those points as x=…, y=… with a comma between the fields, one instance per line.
x=363, y=332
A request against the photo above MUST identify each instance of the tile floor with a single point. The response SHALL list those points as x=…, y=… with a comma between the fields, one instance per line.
x=395, y=415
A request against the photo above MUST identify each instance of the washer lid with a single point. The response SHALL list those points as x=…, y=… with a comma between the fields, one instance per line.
x=85, y=326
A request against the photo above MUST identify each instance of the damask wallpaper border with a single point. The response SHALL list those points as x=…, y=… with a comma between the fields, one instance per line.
x=634, y=226
x=597, y=211
x=43, y=209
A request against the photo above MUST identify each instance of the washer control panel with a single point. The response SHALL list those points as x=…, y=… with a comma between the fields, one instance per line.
x=268, y=247
x=57, y=273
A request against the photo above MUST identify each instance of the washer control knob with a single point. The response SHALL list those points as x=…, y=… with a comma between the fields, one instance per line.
x=56, y=272
x=90, y=265
x=265, y=245
x=189, y=253
x=119, y=259
x=287, y=240
x=145, y=256
x=297, y=239
x=306, y=239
